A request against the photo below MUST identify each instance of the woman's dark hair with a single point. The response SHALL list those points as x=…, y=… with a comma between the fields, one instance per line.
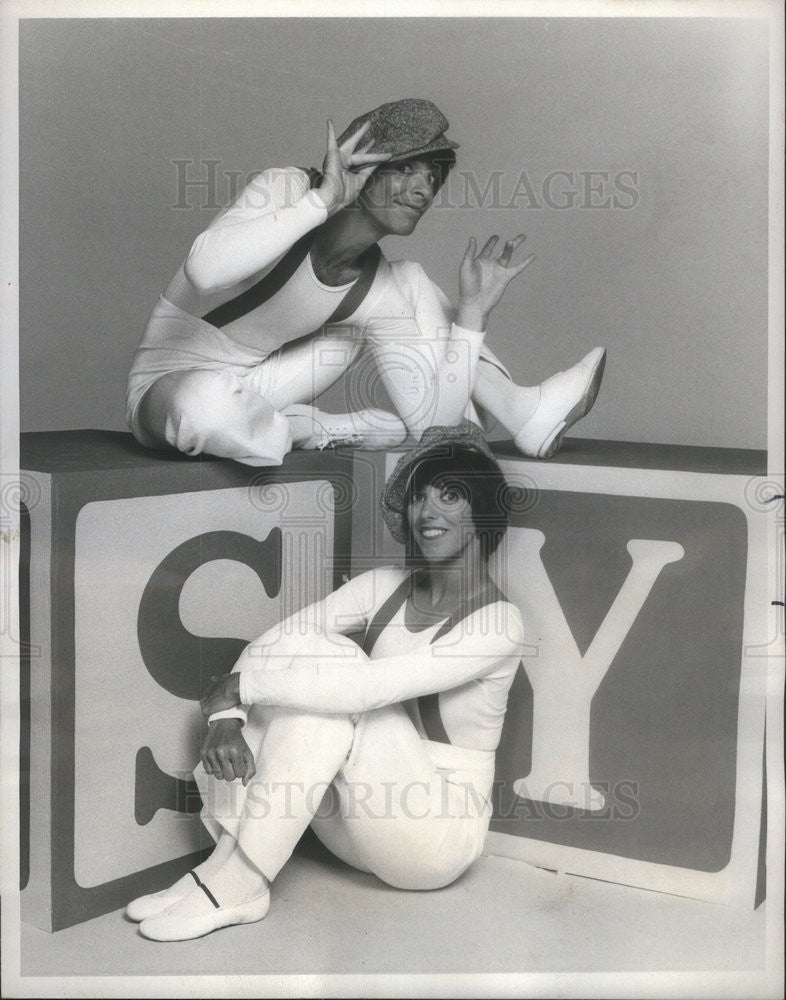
x=476, y=478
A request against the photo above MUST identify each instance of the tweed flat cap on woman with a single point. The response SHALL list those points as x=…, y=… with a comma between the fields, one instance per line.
x=407, y=128
x=436, y=442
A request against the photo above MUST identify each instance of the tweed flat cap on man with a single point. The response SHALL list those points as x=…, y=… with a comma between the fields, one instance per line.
x=407, y=128
x=436, y=442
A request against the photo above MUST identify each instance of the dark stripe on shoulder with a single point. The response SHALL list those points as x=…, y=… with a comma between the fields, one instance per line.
x=264, y=289
x=385, y=614
x=428, y=704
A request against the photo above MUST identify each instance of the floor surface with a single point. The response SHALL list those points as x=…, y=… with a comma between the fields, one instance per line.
x=502, y=916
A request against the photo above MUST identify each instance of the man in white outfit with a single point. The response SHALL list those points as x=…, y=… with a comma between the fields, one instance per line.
x=279, y=295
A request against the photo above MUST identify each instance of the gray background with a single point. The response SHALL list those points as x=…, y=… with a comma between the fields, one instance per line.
x=675, y=287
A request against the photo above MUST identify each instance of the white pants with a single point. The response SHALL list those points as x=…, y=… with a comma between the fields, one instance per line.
x=413, y=812
x=385, y=801
x=193, y=388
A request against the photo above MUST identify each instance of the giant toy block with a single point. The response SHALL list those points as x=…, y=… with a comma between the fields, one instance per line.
x=632, y=749
x=633, y=743
x=148, y=573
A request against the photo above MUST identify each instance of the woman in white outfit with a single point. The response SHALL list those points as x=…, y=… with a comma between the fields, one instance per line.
x=280, y=294
x=385, y=748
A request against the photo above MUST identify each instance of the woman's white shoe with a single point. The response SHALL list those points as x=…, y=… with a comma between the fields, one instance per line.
x=156, y=902
x=199, y=913
x=564, y=398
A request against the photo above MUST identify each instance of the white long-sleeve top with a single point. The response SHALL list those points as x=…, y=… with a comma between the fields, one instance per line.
x=471, y=667
x=403, y=315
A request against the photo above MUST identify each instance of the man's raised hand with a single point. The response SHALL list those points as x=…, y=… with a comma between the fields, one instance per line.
x=346, y=168
x=484, y=278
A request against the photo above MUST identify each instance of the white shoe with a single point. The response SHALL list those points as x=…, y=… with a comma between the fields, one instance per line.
x=372, y=430
x=564, y=398
x=199, y=913
x=156, y=902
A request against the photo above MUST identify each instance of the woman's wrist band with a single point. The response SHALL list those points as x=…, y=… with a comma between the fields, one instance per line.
x=230, y=713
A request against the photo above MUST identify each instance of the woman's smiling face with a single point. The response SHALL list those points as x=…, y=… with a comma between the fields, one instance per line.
x=440, y=518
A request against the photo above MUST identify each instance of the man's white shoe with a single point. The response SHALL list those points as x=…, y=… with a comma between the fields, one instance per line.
x=564, y=398
x=371, y=430
x=199, y=913
x=156, y=902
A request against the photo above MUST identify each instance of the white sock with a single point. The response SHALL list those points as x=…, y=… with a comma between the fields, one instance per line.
x=521, y=405
x=221, y=852
x=301, y=427
x=236, y=881
x=225, y=847
x=510, y=404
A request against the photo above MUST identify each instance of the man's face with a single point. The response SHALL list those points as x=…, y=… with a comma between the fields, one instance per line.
x=399, y=194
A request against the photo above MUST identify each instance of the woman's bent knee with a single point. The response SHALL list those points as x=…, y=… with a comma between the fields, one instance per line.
x=429, y=862
x=424, y=874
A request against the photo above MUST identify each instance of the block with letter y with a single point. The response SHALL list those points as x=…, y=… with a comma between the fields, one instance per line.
x=633, y=745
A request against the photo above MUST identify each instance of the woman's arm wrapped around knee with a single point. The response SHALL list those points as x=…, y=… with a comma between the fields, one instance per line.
x=486, y=643
x=317, y=629
x=222, y=695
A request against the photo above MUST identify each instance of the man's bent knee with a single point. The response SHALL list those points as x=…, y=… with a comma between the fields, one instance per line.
x=211, y=412
x=185, y=408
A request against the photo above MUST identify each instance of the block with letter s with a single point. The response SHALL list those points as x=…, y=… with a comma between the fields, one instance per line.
x=146, y=575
